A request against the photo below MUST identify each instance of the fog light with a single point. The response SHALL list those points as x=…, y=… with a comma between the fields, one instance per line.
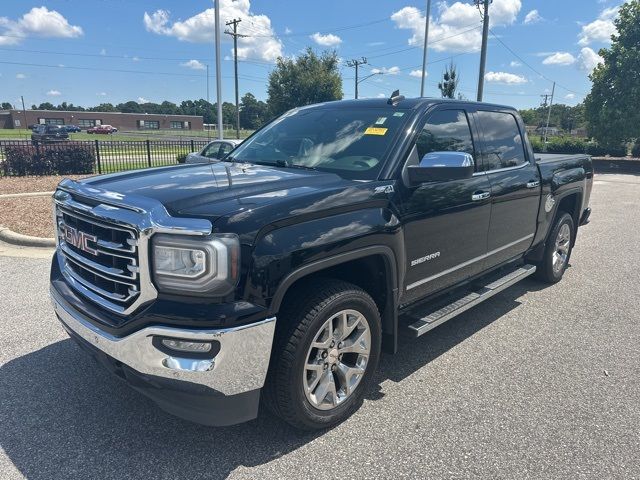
x=186, y=346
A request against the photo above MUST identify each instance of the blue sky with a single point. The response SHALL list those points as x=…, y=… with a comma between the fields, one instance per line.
x=93, y=51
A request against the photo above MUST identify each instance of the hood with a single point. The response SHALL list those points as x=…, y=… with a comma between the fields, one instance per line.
x=215, y=189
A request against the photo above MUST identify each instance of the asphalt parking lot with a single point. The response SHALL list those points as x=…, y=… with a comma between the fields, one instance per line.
x=538, y=382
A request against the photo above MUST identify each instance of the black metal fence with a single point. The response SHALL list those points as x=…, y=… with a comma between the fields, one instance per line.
x=22, y=157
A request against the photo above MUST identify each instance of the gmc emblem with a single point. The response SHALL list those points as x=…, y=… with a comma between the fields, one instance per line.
x=79, y=239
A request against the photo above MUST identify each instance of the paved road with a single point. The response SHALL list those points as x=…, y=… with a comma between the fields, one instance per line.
x=536, y=383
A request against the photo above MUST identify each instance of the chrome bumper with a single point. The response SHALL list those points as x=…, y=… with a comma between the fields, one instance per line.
x=240, y=365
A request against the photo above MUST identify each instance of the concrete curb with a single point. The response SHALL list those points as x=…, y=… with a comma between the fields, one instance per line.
x=13, y=238
x=28, y=194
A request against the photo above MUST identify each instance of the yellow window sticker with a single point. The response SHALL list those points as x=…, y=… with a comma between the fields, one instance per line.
x=375, y=131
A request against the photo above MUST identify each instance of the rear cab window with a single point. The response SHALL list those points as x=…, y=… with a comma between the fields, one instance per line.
x=503, y=144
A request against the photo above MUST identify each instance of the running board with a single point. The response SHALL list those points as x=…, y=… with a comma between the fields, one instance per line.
x=429, y=318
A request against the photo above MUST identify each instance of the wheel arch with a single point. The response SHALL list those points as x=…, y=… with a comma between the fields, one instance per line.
x=357, y=267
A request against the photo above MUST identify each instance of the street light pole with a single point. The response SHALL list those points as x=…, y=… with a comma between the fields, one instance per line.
x=483, y=52
x=356, y=63
x=208, y=103
x=218, y=73
x=24, y=111
x=424, y=53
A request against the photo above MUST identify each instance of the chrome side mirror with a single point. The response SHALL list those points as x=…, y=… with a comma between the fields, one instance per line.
x=441, y=167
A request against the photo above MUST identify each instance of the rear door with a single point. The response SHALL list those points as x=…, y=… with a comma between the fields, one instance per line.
x=515, y=185
x=445, y=223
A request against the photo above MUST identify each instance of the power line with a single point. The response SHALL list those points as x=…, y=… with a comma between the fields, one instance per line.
x=530, y=67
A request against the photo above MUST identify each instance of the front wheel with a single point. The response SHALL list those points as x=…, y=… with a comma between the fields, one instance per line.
x=325, y=356
x=558, y=250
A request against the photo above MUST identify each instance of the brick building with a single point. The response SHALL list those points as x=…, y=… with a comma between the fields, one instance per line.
x=122, y=121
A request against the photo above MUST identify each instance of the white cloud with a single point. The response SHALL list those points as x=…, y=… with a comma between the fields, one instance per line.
x=103, y=51
x=20, y=76
x=514, y=64
x=448, y=28
x=102, y=94
x=54, y=93
x=287, y=31
x=504, y=77
x=37, y=22
x=387, y=71
x=381, y=95
x=559, y=58
x=143, y=100
x=328, y=40
x=261, y=44
x=532, y=17
x=135, y=59
x=588, y=59
x=416, y=73
x=600, y=30
x=570, y=96
x=194, y=65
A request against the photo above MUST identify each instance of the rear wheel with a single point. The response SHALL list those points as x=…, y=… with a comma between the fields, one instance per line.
x=558, y=250
x=324, y=358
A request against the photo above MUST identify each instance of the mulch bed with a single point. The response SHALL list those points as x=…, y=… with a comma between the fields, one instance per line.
x=28, y=215
x=32, y=184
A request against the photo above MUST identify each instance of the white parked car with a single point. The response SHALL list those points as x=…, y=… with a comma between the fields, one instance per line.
x=213, y=151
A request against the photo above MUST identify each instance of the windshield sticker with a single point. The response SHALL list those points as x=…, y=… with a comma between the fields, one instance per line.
x=375, y=131
x=398, y=114
x=381, y=120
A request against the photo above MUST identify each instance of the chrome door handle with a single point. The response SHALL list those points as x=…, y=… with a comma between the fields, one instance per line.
x=480, y=196
x=533, y=184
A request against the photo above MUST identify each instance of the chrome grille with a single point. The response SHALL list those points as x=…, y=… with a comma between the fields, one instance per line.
x=107, y=272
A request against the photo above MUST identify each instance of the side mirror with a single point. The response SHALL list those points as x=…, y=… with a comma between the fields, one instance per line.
x=441, y=167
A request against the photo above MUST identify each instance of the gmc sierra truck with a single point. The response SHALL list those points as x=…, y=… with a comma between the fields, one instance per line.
x=281, y=272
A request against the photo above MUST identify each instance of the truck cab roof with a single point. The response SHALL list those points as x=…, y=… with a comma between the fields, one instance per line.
x=403, y=104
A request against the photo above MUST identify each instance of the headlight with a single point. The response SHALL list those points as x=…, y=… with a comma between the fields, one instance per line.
x=196, y=266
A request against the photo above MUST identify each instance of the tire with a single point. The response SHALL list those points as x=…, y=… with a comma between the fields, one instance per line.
x=315, y=311
x=558, y=250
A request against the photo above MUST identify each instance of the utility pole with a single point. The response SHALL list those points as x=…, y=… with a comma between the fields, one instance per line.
x=546, y=130
x=208, y=129
x=356, y=63
x=218, y=72
x=24, y=111
x=483, y=51
x=235, y=36
x=424, y=53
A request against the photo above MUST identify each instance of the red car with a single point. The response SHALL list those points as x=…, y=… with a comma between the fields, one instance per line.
x=104, y=129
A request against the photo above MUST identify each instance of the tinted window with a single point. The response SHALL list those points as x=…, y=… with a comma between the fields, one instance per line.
x=446, y=131
x=352, y=142
x=503, y=146
x=212, y=150
x=224, y=149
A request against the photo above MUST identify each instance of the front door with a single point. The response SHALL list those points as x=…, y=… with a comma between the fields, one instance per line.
x=515, y=186
x=445, y=223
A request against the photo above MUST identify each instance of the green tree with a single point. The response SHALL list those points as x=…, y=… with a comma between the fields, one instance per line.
x=612, y=106
x=6, y=106
x=46, y=106
x=449, y=83
x=103, y=107
x=253, y=112
x=309, y=78
x=129, y=107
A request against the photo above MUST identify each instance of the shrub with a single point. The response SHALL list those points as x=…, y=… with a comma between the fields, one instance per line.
x=181, y=158
x=597, y=150
x=566, y=145
x=58, y=159
x=635, y=150
x=536, y=144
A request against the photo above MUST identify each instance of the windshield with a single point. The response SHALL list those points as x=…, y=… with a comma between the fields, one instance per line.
x=352, y=143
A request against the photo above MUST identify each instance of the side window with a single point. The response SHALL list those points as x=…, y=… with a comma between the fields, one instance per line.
x=225, y=148
x=503, y=147
x=445, y=131
x=212, y=150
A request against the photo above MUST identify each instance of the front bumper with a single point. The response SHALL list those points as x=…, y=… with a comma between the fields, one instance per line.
x=221, y=390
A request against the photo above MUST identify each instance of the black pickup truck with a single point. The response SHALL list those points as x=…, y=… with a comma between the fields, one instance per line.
x=284, y=270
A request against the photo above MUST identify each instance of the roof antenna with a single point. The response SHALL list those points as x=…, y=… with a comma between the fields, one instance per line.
x=395, y=98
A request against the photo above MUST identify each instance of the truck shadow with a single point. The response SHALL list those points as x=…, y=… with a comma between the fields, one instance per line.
x=63, y=417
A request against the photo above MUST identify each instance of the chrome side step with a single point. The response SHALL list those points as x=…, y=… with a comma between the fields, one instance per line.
x=430, y=317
